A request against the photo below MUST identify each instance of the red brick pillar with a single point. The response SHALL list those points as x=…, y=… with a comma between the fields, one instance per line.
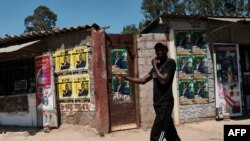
x=100, y=80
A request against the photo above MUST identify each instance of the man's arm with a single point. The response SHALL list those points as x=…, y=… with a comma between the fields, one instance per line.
x=163, y=78
x=143, y=80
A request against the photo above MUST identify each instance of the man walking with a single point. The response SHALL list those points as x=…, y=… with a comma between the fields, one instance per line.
x=162, y=74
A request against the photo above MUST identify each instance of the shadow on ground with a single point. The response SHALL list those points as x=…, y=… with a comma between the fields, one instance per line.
x=20, y=129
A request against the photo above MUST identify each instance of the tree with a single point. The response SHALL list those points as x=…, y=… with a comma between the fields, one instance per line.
x=42, y=19
x=151, y=9
x=130, y=29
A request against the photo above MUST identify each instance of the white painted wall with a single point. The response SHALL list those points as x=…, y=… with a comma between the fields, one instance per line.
x=22, y=118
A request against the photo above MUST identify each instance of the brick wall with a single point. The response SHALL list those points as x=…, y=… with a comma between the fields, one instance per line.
x=146, y=52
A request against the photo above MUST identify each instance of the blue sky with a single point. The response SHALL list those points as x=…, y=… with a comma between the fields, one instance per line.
x=70, y=13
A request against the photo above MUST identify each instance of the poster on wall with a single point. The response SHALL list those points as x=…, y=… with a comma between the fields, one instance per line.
x=200, y=91
x=119, y=61
x=192, y=66
x=186, y=91
x=79, y=58
x=62, y=59
x=81, y=88
x=185, y=66
x=228, y=93
x=64, y=89
x=183, y=42
x=200, y=66
x=120, y=88
x=46, y=106
x=199, y=44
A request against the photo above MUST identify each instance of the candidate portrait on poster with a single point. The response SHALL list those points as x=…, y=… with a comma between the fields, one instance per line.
x=81, y=63
x=79, y=57
x=81, y=86
x=200, y=65
x=121, y=90
x=201, y=88
x=186, y=89
x=66, y=63
x=64, y=87
x=84, y=90
x=119, y=59
x=184, y=66
x=62, y=60
x=183, y=40
x=67, y=92
x=199, y=40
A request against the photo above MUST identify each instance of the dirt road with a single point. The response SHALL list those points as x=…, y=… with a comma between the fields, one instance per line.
x=210, y=130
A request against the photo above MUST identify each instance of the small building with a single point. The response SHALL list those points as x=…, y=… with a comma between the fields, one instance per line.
x=34, y=77
x=212, y=74
x=68, y=75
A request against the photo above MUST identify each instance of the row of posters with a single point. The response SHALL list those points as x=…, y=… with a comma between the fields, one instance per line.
x=190, y=41
x=71, y=59
x=192, y=66
x=121, y=90
x=73, y=88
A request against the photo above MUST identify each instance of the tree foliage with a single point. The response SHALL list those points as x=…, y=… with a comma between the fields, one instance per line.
x=42, y=19
x=151, y=9
x=130, y=29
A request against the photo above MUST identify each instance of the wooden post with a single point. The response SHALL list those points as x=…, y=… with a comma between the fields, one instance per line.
x=100, y=80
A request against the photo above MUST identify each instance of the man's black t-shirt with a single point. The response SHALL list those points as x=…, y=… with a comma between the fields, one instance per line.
x=163, y=93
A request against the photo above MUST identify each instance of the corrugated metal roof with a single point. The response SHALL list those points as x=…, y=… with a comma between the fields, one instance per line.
x=229, y=19
x=16, y=47
x=34, y=35
x=172, y=16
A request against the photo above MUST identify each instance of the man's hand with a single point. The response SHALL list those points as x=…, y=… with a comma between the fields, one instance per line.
x=120, y=77
x=154, y=61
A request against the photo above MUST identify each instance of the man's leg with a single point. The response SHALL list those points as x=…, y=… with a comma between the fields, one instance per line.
x=171, y=133
x=157, y=131
x=169, y=127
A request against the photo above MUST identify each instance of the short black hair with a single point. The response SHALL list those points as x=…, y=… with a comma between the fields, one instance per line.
x=160, y=45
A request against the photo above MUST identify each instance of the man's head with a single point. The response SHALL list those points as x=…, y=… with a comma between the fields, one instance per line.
x=161, y=51
x=65, y=59
x=188, y=37
x=183, y=60
x=117, y=54
x=199, y=84
x=198, y=60
x=66, y=86
x=184, y=85
x=203, y=36
x=80, y=57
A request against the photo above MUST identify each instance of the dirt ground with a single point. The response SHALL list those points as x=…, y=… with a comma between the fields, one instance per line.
x=209, y=130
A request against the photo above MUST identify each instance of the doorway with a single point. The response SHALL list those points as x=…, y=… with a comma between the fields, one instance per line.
x=245, y=70
x=123, y=96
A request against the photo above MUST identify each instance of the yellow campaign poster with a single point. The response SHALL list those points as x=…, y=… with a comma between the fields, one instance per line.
x=64, y=87
x=58, y=59
x=62, y=59
x=79, y=58
x=81, y=86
